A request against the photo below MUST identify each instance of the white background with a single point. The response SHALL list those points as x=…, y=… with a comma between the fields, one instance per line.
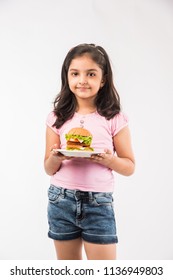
x=35, y=36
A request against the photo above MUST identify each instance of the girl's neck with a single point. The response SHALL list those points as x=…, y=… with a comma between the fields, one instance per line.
x=85, y=109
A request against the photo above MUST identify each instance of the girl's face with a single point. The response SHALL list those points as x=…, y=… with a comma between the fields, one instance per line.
x=85, y=77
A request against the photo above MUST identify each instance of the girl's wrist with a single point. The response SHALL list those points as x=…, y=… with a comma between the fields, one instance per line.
x=55, y=158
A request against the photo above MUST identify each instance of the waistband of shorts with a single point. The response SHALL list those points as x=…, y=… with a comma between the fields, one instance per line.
x=78, y=194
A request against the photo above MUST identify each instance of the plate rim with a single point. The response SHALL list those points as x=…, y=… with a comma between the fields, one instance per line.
x=76, y=151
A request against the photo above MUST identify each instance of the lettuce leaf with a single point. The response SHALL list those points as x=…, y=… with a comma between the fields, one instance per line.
x=84, y=139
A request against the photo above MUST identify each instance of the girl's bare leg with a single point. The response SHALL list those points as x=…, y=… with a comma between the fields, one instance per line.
x=69, y=249
x=100, y=251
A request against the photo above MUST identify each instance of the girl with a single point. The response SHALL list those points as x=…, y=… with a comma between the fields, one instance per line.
x=80, y=210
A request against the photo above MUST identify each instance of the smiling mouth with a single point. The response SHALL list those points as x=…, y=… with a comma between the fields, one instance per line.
x=82, y=88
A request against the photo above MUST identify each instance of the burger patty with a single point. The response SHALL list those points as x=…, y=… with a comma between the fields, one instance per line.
x=76, y=144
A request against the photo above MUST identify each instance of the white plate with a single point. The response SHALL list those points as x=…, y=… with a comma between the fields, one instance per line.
x=77, y=153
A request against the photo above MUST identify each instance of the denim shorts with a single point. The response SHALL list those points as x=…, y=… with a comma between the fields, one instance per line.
x=89, y=215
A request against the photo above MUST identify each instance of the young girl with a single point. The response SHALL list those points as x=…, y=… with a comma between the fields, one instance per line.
x=80, y=210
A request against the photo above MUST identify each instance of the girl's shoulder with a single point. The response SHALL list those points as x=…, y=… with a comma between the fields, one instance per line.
x=118, y=122
x=50, y=120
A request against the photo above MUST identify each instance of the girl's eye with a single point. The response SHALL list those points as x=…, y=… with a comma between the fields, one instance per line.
x=74, y=74
x=91, y=74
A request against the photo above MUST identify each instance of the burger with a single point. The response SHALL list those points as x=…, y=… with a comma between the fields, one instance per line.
x=79, y=138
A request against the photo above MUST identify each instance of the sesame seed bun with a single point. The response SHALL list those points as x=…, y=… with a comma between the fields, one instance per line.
x=79, y=131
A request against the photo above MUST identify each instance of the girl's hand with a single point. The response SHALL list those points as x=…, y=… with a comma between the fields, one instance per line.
x=57, y=154
x=103, y=158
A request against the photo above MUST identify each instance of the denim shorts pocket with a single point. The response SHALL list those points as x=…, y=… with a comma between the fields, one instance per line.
x=103, y=200
x=54, y=194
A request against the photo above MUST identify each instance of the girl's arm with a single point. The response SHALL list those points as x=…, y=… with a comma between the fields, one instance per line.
x=52, y=160
x=123, y=162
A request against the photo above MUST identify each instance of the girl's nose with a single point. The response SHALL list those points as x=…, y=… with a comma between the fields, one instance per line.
x=82, y=80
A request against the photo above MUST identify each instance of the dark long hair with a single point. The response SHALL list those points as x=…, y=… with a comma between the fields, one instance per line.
x=107, y=100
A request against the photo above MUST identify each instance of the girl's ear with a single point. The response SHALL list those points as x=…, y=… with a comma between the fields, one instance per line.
x=103, y=81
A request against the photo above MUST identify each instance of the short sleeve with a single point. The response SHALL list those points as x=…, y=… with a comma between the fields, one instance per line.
x=51, y=118
x=118, y=122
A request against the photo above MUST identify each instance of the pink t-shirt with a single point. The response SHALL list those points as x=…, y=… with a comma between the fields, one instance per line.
x=80, y=173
